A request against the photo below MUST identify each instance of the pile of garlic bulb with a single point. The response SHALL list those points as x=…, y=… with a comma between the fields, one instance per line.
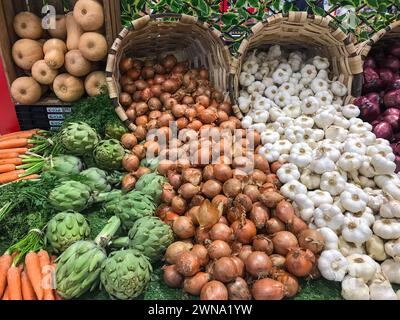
x=339, y=176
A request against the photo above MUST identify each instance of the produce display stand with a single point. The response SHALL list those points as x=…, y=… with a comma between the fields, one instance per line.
x=49, y=112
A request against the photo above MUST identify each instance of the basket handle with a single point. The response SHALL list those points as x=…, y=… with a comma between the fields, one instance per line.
x=143, y=21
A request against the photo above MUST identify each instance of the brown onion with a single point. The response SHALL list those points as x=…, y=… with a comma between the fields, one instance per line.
x=133, y=74
x=290, y=282
x=274, y=225
x=244, y=252
x=175, y=179
x=128, y=182
x=218, y=249
x=221, y=231
x=194, y=284
x=211, y=188
x=141, y=172
x=226, y=107
x=271, y=199
x=146, y=94
x=141, y=108
x=197, y=200
x=214, y=290
x=129, y=140
x=260, y=163
x=258, y=177
x=130, y=162
x=284, y=241
x=141, y=85
x=178, y=110
x=131, y=114
x=203, y=100
x=137, y=96
x=170, y=85
x=278, y=261
x=183, y=227
x=192, y=176
x=297, y=225
x=225, y=270
x=239, y=290
x=201, y=252
x=284, y=211
x=125, y=99
x=179, y=205
x=188, y=190
x=172, y=277
x=139, y=151
x=235, y=213
x=169, y=62
x=147, y=73
x=275, y=166
x=239, y=265
x=244, y=232
x=165, y=119
x=312, y=240
x=175, y=250
x=208, y=172
x=154, y=104
x=142, y=121
x=222, y=172
x=258, y=264
x=126, y=64
x=170, y=218
x=263, y=243
x=207, y=116
x=252, y=192
x=232, y=187
x=202, y=235
x=187, y=264
x=195, y=125
x=168, y=193
x=164, y=166
x=259, y=214
x=241, y=200
x=300, y=262
x=268, y=289
x=220, y=199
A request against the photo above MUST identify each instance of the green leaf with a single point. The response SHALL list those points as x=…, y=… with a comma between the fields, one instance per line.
x=287, y=6
x=372, y=3
x=240, y=3
x=229, y=18
x=244, y=15
x=276, y=4
x=254, y=3
x=204, y=8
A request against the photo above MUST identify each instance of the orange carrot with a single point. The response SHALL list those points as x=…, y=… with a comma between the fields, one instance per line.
x=14, y=283
x=14, y=150
x=27, y=290
x=9, y=155
x=14, y=161
x=7, y=168
x=47, y=276
x=15, y=135
x=30, y=177
x=6, y=295
x=57, y=296
x=10, y=176
x=32, y=266
x=13, y=143
x=5, y=264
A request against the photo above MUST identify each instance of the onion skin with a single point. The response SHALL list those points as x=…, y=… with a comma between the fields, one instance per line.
x=175, y=250
x=252, y=192
x=129, y=140
x=225, y=270
x=300, y=262
x=259, y=214
x=218, y=249
x=126, y=64
x=284, y=211
x=214, y=290
x=172, y=277
x=221, y=231
x=263, y=243
x=284, y=241
x=128, y=182
x=194, y=284
x=312, y=240
x=130, y=162
x=245, y=232
x=271, y=199
x=202, y=235
x=211, y=188
x=274, y=225
x=222, y=172
x=232, y=187
x=297, y=225
x=244, y=252
x=268, y=289
x=258, y=264
x=241, y=200
x=187, y=264
x=201, y=253
x=183, y=227
x=289, y=281
x=188, y=190
x=278, y=261
x=178, y=205
x=239, y=290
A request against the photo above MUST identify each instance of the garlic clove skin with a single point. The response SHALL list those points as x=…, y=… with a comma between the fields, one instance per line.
x=354, y=289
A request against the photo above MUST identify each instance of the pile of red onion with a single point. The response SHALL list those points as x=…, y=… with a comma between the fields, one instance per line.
x=380, y=103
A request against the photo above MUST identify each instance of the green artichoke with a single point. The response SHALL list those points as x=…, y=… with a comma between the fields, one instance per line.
x=66, y=228
x=151, y=184
x=71, y=195
x=78, y=267
x=131, y=207
x=96, y=179
x=109, y=154
x=115, y=130
x=63, y=166
x=150, y=236
x=151, y=163
x=79, y=138
x=125, y=274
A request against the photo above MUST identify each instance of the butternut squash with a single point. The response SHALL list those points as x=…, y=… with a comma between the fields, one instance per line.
x=60, y=31
x=26, y=52
x=76, y=64
x=93, y=46
x=74, y=32
x=28, y=25
x=42, y=73
x=68, y=88
x=95, y=82
x=54, y=52
x=54, y=44
x=26, y=90
x=89, y=14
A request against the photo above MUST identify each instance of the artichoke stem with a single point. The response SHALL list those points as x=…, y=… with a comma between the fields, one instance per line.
x=107, y=196
x=109, y=230
x=122, y=242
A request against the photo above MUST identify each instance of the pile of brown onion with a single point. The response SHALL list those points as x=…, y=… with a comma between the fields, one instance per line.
x=238, y=237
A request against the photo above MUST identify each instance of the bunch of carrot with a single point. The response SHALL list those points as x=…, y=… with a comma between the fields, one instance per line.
x=18, y=159
x=32, y=280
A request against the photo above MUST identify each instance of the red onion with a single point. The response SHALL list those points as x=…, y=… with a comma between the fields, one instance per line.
x=393, y=120
x=383, y=130
x=392, y=98
x=392, y=62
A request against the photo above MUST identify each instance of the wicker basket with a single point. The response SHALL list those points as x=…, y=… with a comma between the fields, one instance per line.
x=380, y=38
x=154, y=36
x=300, y=30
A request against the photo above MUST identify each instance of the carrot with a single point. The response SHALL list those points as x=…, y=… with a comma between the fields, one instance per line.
x=14, y=150
x=10, y=176
x=5, y=264
x=27, y=290
x=47, y=270
x=7, y=168
x=22, y=134
x=52, y=259
x=6, y=296
x=10, y=155
x=14, y=283
x=14, y=161
x=32, y=266
x=13, y=143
